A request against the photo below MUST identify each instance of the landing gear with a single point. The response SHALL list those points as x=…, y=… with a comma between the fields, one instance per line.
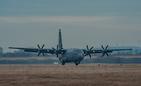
x=77, y=63
x=63, y=63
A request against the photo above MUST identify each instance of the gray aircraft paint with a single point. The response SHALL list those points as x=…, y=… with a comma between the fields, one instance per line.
x=71, y=55
x=74, y=55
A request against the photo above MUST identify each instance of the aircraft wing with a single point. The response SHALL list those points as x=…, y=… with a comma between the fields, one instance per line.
x=105, y=50
x=109, y=50
x=120, y=49
x=41, y=50
x=36, y=50
x=27, y=49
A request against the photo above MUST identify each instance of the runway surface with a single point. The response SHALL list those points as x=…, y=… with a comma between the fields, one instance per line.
x=87, y=60
x=71, y=75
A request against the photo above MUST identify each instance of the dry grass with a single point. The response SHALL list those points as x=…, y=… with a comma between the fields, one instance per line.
x=70, y=75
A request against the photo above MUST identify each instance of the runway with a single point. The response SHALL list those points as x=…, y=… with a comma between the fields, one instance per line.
x=87, y=60
x=70, y=75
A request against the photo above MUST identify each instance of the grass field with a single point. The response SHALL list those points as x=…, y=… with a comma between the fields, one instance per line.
x=71, y=75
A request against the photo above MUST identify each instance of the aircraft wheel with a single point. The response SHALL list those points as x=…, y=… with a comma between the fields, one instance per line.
x=63, y=63
x=77, y=63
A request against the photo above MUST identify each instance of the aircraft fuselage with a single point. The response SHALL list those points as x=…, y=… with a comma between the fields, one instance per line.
x=72, y=55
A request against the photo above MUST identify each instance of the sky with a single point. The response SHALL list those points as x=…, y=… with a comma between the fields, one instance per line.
x=26, y=23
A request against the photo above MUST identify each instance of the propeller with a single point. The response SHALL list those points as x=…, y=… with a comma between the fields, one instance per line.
x=53, y=50
x=105, y=50
x=58, y=51
x=40, y=49
x=88, y=51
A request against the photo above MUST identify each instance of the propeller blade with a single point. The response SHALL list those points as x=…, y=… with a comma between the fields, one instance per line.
x=88, y=51
x=53, y=48
x=43, y=54
x=107, y=47
x=90, y=56
x=91, y=48
x=38, y=46
x=43, y=46
x=39, y=53
x=102, y=47
x=84, y=51
x=105, y=50
x=107, y=54
x=103, y=54
x=57, y=54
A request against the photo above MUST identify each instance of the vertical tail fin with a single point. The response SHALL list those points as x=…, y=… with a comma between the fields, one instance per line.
x=60, y=45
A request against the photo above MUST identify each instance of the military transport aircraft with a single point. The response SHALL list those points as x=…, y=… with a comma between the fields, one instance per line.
x=69, y=55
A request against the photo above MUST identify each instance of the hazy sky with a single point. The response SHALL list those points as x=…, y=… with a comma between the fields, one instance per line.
x=26, y=23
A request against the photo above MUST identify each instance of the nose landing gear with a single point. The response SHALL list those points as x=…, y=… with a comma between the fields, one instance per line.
x=77, y=63
x=63, y=63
